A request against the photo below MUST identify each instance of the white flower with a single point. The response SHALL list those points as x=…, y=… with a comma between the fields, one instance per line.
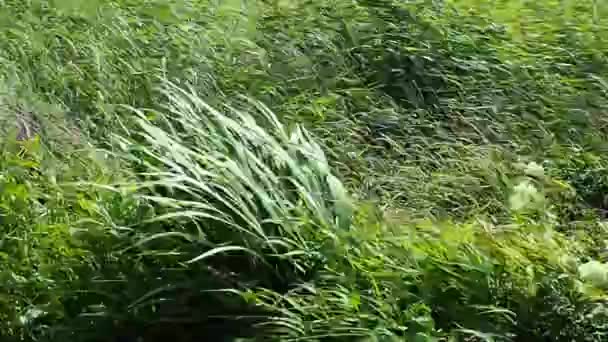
x=535, y=170
x=525, y=195
x=594, y=272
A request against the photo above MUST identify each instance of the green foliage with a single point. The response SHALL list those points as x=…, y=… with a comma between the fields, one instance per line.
x=304, y=170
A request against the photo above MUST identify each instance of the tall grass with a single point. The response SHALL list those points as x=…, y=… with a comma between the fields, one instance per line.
x=252, y=220
x=236, y=207
x=304, y=170
x=261, y=192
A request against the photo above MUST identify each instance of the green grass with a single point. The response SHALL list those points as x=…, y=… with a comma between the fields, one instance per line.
x=304, y=170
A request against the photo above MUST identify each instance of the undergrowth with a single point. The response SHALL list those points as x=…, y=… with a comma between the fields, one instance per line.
x=303, y=170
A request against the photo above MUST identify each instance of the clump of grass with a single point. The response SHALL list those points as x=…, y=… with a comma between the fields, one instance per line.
x=235, y=206
x=267, y=189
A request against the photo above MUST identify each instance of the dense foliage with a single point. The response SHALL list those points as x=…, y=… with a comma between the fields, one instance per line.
x=304, y=170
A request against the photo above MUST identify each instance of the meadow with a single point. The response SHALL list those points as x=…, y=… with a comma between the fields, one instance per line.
x=303, y=170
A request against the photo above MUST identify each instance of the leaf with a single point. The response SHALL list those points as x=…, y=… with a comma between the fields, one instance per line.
x=220, y=250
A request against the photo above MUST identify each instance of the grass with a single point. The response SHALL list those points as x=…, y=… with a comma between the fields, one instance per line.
x=304, y=170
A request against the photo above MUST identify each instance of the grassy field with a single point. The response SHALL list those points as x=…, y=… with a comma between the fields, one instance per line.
x=303, y=170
